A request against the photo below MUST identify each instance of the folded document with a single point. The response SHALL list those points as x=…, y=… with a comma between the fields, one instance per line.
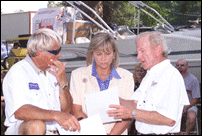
x=89, y=126
x=98, y=103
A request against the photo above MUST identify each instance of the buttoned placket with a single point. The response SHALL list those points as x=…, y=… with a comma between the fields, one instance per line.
x=48, y=90
x=144, y=99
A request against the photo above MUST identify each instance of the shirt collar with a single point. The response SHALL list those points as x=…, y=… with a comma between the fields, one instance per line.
x=114, y=73
x=159, y=66
x=29, y=60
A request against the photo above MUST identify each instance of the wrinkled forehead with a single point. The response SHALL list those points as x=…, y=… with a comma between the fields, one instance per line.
x=143, y=42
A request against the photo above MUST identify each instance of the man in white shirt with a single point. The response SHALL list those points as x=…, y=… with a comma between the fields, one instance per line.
x=36, y=90
x=158, y=103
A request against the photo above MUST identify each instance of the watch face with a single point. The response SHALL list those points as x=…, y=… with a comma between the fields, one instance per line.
x=64, y=87
x=134, y=113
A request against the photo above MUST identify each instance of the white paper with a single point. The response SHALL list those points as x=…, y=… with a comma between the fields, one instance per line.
x=98, y=103
x=89, y=126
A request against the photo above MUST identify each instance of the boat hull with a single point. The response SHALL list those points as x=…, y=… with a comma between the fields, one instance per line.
x=188, y=48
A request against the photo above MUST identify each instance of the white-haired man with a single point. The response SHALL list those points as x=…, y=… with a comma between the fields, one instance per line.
x=36, y=90
x=158, y=102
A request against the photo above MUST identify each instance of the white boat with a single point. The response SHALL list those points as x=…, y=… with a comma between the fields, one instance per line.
x=180, y=46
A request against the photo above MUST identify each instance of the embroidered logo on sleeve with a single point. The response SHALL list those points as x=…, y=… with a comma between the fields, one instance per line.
x=33, y=86
x=154, y=83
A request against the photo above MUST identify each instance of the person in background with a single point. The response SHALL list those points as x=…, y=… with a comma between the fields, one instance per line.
x=158, y=102
x=138, y=74
x=15, y=46
x=102, y=72
x=193, y=92
x=3, y=74
x=36, y=90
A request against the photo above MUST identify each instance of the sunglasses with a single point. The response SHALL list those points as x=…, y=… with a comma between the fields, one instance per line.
x=55, y=52
x=179, y=65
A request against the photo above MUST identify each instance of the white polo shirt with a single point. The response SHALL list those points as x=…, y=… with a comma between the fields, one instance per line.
x=161, y=90
x=26, y=84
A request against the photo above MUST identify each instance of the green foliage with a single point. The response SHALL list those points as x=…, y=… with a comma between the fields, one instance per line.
x=121, y=12
x=149, y=21
x=179, y=12
x=52, y=4
x=124, y=13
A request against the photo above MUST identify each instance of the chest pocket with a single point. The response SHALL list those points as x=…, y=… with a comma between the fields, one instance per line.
x=149, y=99
x=35, y=95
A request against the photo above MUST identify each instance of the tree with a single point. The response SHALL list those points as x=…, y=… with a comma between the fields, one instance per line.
x=123, y=13
x=179, y=12
x=52, y=4
x=149, y=21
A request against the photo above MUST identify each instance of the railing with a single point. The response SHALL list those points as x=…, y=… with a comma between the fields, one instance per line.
x=137, y=4
x=108, y=30
x=140, y=4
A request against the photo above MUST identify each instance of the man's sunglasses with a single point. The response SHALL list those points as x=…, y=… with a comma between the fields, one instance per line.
x=55, y=52
x=179, y=65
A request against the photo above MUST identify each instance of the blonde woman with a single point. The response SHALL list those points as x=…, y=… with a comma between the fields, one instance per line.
x=102, y=72
x=138, y=74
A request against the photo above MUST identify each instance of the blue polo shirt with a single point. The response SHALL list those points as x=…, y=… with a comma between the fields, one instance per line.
x=104, y=85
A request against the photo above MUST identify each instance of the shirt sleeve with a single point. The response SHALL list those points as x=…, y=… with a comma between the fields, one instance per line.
x=15, y=90
x=171, y=96
x=195, y=89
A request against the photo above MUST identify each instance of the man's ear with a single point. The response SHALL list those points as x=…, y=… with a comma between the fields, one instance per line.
x=39, y=53
x=187, y=66
x=158, y=50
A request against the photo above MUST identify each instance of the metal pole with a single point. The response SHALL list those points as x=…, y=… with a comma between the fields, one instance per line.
x=138, y=28
x=64, y=36
x=134, y=17
x=73, y=30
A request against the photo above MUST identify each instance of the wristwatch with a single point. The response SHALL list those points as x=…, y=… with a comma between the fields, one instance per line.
x=65, y=87
x=134, y=113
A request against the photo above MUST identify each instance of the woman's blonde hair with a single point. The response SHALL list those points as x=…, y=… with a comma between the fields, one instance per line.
x=138, y=65
x=102, y=41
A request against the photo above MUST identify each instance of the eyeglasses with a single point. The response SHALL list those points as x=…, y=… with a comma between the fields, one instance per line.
x=179, y=65
x=55, y=52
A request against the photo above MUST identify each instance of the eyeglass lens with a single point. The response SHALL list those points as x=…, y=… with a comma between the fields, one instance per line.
x=180, y=64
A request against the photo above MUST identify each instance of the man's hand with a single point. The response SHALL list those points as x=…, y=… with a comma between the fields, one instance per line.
x=68, y=121
x=185, y=110
x=120, y=112
x=131, y=104
x=59, y=72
